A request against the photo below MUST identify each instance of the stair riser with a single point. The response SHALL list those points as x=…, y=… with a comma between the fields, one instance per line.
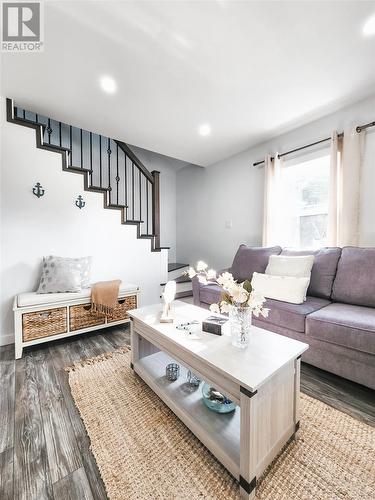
x=181, y=287
x=172, y=275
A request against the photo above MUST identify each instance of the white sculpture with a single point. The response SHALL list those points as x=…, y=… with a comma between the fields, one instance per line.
x=168, y=297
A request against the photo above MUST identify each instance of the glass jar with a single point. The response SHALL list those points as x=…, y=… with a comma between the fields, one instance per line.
x=172, y=371
x=240, y=325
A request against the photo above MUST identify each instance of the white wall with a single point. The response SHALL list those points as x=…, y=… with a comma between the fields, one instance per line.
x=32, y=227
x=232, y=190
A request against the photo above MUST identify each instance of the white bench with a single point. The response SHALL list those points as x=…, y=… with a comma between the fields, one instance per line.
x=43, y=317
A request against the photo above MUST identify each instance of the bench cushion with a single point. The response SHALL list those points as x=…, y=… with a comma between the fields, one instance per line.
x=345, y=325
x=36, y=299
x=292, y=316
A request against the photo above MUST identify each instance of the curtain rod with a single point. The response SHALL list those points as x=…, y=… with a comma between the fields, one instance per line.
x=358, y=129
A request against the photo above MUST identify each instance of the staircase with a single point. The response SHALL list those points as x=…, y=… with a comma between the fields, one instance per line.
x=183, y=283
x=108, y=167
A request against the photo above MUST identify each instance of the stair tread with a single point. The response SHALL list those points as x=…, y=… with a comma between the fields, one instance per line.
x=56, y=147
x=115, y=205
x=78, y=169
x=97, y=188
x=173, y=266
x=188, y=293
x=180, y=279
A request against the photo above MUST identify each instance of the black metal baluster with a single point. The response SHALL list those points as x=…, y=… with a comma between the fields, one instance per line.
x=24, y=114
x=133, y=194
x=100, y=160
x=60, y=134
x=81, y=149
x=117, y=176
x=36, y=117
x=140, y=195
x=147, y=187
x=126, y=180
x=71, y=145
x=91, y=158
x=109, y=152
x=49, y=130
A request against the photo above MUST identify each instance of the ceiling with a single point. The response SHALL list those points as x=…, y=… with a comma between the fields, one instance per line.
x=249, y=69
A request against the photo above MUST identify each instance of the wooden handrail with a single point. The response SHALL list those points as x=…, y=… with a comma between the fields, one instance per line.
x=137, y=162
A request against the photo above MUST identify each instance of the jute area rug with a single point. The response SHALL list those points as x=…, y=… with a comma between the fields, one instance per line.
x=144, y=452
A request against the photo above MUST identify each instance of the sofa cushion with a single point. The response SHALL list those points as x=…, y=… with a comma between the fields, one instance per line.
x=355, y=278
x=251, y=259
x=345, y=325
x=36, y=299
x=323, y=271
x=209, y=294
x=292, y=316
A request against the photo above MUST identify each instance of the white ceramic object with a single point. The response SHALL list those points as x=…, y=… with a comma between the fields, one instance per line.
x=168, y=297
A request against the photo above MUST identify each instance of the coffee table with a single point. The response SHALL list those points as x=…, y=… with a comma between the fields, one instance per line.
x=263, y=380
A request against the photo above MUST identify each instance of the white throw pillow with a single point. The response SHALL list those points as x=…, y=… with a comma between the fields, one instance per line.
x=284, y=288
x=298, y=266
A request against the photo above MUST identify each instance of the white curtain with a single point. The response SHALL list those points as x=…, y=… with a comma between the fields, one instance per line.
x=272, y=200
x=346, y=162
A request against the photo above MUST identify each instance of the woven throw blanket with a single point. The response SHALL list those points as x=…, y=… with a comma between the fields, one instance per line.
x=104, y=295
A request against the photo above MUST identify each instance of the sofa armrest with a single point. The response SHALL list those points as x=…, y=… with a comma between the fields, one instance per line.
x=196, y=290
x=198, y=286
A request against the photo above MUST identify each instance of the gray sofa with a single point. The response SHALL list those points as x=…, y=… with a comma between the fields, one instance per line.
x=338, y=318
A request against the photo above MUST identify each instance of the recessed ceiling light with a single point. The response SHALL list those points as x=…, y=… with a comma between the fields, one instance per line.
x=204, y=129
x=108, y=84
x=369, y=27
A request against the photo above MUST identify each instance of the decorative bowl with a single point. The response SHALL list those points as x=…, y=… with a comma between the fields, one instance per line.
x=215, y=400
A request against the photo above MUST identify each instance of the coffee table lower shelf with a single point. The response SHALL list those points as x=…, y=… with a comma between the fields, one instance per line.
x=220, y=433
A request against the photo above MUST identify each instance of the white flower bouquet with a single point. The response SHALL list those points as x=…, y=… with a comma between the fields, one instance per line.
x=234, y=294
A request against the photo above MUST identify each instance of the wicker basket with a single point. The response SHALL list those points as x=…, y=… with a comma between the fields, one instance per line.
x=81, y=316
x=120, y=312
x=40, y=324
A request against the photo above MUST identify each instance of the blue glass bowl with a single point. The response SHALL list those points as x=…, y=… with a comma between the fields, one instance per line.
x=215, y=400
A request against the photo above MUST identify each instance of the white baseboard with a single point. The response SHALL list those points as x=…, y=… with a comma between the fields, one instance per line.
x=7, y=339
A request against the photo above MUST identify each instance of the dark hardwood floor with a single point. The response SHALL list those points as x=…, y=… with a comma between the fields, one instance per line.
x=44, y=448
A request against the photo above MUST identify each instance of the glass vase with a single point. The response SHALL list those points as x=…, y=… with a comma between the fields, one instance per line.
x=240, y=325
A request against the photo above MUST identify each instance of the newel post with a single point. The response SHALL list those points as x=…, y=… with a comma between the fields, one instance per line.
x=156, y=207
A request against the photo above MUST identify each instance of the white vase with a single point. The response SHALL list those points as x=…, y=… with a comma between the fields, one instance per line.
x=240, y=325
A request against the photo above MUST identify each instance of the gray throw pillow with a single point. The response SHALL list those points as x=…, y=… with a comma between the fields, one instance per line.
x=61, y=274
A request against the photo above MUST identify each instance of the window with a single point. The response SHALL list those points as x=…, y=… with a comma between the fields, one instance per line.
x=305, y=200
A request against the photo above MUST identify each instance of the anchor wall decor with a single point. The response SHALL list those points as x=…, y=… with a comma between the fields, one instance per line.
x=79, y=202
x=38, y=190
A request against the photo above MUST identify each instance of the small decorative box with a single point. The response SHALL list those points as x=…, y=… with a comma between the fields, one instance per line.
x=214, y=324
